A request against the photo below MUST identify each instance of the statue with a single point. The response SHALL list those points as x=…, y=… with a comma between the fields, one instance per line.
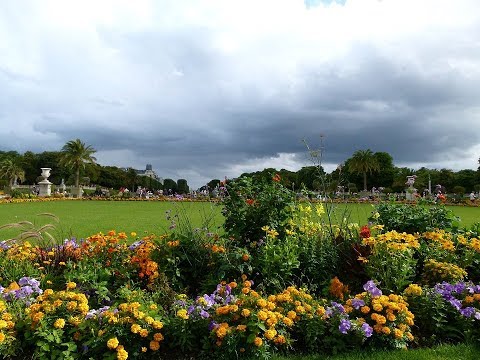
x=411, y=191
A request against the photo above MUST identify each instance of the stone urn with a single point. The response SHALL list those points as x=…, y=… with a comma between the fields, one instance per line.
x=46, y=172
x=45, y=186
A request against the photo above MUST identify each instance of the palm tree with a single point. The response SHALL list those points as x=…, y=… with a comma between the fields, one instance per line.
x=11, y=170
x=363, y=162
x=75, y=154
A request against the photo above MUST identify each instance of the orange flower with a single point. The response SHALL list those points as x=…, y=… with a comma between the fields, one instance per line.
x=250, y=201
x=245, y=257
x=277, y=178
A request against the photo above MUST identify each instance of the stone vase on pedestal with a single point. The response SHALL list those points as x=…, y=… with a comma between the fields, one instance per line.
x=45, y=186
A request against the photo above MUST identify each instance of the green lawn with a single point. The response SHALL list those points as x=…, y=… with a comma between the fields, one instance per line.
x=84, y=218
x=446, y=352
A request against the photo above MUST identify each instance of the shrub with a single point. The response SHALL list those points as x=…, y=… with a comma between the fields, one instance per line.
x=414, y=218
x=251, y=205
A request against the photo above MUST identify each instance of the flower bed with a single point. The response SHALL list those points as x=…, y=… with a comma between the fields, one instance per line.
x=282, y=279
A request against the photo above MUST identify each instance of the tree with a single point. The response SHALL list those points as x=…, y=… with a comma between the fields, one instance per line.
x=363, y=162
x=169, y=186
x=132, y=177
x=182, y=186
x=10, y=169
x=75, y=154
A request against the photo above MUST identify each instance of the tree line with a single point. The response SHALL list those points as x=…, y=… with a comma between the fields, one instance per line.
x=365, y=170
x=76, y=165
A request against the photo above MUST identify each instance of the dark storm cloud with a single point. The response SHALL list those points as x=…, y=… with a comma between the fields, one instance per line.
x=200, y=96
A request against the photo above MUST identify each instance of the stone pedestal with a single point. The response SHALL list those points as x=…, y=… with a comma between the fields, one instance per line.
x=45, y=188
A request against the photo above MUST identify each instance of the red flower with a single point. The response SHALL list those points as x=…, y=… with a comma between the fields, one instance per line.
x=250, y=201
x=365, y=232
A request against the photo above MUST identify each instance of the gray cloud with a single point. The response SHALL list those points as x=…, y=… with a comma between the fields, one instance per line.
x=206, y=92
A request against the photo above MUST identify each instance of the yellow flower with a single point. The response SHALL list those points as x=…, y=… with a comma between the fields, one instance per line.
x=143, y=332
x=154, y=345
x=262, y=315
x=122, y=354
x=261, y=303
x=157, y=325
x=2, y=337
x=245, y=313
x=135, y=328
x=71, y=285
x=258, y=341
x=182, y=313
x=270, y=334
x=59, y=323
x=133, y=234
x=158, y=337
x=112, y=343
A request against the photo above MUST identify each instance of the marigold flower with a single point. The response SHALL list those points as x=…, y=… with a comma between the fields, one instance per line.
x=71, y=285
x=258, y=341
x=270, y=334
x=112, y=343
x=59, y=323
x=158, y=337
x=135, y=328
x=182, y=313
x=154, y=345
x=122, y=354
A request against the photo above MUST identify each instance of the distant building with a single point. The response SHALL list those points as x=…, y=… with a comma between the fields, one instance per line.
x=148, y=172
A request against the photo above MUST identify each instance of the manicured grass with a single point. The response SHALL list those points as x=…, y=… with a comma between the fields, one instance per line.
x=84, y=218
x=445, y=352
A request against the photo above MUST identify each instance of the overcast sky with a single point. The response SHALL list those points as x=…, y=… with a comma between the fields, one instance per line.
x=207, y=89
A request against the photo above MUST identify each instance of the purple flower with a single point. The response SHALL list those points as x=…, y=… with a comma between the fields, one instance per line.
x=212, y=325
x=190, y=309
x=357, y=303
x=457, y=304
x=367, y=330
x=344, y=326
x=204, y=314
x=372, y=288
x=459, y=287
x=468, y=312
x=336, y=307
x=135, y=245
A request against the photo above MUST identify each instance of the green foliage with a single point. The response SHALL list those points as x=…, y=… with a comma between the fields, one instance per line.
x=251, y=205
x=413, y=218
x=392, y=268
x=437, y=321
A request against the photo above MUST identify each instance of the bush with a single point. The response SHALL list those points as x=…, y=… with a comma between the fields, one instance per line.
x=414, y=218
x=251, y=205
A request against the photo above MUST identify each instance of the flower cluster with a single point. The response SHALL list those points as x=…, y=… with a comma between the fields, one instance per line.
x=388, y=316
x=26, y=289
x=129, y=327
x=7, y=326
x=394, y=240
x=464, y=297
x=437, y=271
